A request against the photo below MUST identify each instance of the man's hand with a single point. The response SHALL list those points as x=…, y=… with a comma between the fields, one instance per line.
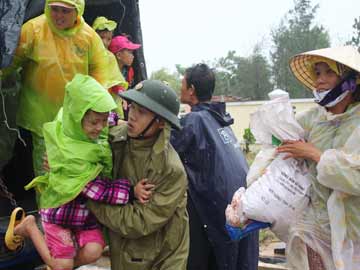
x=143, y=190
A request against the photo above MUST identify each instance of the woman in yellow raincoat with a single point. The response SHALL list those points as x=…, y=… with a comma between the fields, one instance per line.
x=52, y=48
x=327, y=234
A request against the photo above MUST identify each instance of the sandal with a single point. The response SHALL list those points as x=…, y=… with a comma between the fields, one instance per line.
x=13, y=242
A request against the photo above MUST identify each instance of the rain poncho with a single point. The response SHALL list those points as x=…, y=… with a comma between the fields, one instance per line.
x=115, y=77
x=74, y=159
x=216, y=168
x=50, y=58
x=331, y=224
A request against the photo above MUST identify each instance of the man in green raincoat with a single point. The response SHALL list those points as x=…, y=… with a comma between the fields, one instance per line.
x=153, y=235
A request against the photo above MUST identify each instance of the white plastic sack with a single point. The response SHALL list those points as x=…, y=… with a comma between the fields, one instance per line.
x=260, y=163
x=275, y=118
x=278, y=195
x=234, y=211
x=278, y=189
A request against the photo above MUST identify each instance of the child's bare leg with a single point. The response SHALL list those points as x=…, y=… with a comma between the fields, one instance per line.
x=89, y=253
x=29, y=228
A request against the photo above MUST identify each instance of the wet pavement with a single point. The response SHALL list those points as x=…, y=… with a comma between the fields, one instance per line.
x=102, y=264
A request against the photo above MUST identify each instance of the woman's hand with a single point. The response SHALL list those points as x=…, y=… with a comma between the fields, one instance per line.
x=299, y=149
x=143, y=190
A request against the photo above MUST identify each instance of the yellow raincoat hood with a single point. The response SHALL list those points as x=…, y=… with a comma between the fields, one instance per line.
x=50, y=58
x=79, y=5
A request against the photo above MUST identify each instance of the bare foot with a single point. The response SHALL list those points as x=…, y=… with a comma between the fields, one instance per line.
x=25, y=226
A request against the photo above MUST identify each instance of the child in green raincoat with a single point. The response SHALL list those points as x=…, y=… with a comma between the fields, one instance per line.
x=104, y=28
x=78, y=152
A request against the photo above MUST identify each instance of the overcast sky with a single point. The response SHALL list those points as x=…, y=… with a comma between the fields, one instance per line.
x=188, y=31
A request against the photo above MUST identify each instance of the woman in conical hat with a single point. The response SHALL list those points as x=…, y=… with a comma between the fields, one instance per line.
x=327, y=234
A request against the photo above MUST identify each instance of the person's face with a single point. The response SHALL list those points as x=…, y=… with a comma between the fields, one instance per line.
x=106, y=37
x=125, y=56
x=138, y=120
x=186, y=92
x=326, y=78
x=93, y=123
x=63, y=18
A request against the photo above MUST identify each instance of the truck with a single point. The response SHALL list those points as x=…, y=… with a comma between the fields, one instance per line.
x=15, y=144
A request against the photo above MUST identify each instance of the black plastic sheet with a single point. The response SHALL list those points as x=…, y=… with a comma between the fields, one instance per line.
x=12, y=13
x=8, y=128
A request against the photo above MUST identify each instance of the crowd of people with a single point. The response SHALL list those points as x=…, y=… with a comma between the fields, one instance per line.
x=157, y=185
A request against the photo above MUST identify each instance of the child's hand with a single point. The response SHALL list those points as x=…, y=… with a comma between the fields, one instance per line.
x=125, y=105
x=45, y=163
x=121, y=122
x=143, y=191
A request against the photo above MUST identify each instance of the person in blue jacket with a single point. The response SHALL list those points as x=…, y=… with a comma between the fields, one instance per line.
x=216, y=168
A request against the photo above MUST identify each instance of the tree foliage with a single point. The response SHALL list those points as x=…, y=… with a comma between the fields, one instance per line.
x=248, y=139
x=295, y=34
x=246, y=77
x=172, y=78
x=252, y=77
x=355, y=40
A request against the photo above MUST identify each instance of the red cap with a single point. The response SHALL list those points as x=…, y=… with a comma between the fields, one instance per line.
x=119, y=43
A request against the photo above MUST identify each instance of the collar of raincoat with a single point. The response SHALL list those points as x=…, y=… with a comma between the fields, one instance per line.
x=79, y=5
x=353, y=110
x=163, y=141
x=159, y=149
x=82, y=94
x=119, y=134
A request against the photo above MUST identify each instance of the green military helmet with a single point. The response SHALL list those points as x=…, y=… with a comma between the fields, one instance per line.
x=157, y=97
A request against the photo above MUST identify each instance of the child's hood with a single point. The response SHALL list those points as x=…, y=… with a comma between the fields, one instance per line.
x=74, y=159
x=82, y=94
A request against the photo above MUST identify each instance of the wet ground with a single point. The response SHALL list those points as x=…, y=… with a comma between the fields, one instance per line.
x=102, y=264
x=269, y=260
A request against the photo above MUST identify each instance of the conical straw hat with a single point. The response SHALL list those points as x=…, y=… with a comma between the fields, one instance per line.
x=301, y=64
